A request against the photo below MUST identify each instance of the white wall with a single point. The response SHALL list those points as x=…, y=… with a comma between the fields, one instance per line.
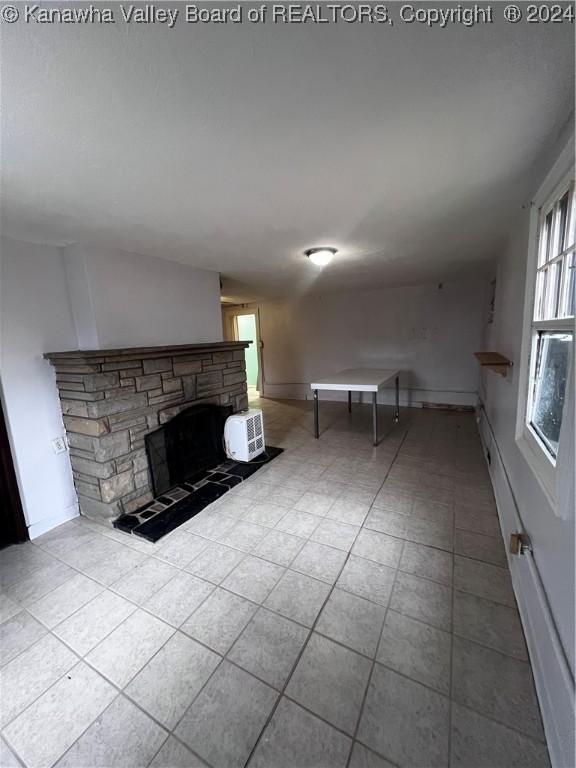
x=429, y=334
x=553, y=538
x=56, y=300
x=544, y=583
x=35, y=318
x=126, y=299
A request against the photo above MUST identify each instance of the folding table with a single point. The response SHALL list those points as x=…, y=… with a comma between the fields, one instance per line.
x=358, y=380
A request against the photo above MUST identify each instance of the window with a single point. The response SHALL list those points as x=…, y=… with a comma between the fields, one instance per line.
x=549, y=325
x=553, y=318
x=547, y=405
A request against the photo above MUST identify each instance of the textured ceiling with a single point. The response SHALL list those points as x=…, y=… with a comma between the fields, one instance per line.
x=235, y=147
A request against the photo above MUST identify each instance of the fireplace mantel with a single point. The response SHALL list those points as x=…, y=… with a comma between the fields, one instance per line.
x=140, y=353
x=111, y=398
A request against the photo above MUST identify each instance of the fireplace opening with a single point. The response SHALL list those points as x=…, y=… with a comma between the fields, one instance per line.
x=189, y=470
x=186, y=446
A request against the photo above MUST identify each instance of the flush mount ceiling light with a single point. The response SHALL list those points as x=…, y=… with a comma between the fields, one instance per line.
x=320, y=256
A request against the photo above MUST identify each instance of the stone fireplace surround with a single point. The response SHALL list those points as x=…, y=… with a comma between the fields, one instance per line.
x=111, y=398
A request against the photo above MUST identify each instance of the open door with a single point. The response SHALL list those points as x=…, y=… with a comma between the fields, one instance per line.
x=246, y=331
x=243, y=325
x=13, y=528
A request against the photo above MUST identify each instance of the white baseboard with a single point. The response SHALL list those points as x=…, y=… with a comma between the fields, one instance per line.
x=45, y=525
x=552, y=676
x=409, y=398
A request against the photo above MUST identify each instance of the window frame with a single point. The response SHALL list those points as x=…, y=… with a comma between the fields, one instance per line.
x=533, y=448
x=535, y=381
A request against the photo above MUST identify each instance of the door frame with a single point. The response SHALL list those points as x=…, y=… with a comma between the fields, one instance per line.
x=231, y=332
x=15, y=522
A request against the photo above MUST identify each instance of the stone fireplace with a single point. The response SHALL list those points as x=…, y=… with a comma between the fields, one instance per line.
x=112, y=398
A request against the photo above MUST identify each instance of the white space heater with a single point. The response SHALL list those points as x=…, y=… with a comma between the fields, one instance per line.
x=244, y=435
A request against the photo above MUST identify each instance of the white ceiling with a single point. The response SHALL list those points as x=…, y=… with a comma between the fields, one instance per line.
x=235, y=147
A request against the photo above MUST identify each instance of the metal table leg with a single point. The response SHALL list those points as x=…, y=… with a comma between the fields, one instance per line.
x=397, y=414
x=374, y=418
x=349, y=402
x=316, y=420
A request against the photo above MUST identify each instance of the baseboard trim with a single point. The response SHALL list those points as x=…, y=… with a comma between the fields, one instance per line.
x=45, y=525
x=552, y=675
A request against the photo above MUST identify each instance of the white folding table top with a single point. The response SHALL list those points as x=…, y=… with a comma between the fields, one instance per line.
x=357, y=380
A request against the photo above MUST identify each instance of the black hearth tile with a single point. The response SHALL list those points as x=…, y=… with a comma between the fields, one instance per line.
x=126, y=523
x=165, y=522
x=198, y=497
x=243, y=471
x=209, y=492
x=177, y=494
x=196, y=478
x=148, y=514
x=271, y=452
x=231, y=481
x=192, y=488
x=217, y=477
x=155, y=507
x=179, y=513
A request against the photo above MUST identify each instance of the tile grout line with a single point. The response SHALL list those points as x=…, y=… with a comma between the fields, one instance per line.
x=306, y=642
x=370, y=674
x=222, y=659
x=105, y=588
x=182, y=569
x=281, y=693
x=373, y=665
x=210, y=541
x=142, y=606
x=120, y=691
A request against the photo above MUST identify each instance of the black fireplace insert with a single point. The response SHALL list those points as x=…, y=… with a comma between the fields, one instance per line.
x=187, y=445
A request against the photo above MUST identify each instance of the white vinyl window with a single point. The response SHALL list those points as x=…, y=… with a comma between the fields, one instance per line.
x=549, y=329
x=553, y=319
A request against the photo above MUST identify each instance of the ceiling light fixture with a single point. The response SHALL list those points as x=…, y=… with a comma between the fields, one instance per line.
x=320, y=256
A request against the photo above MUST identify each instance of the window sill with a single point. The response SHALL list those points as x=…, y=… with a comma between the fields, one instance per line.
x=542, y=467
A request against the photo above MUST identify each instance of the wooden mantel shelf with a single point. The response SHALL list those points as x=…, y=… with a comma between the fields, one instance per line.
x=495, y=361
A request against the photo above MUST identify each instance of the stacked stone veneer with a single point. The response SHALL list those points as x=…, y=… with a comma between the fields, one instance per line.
x=111, y=398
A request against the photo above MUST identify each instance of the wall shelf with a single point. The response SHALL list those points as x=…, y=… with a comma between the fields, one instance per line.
x=495, y=361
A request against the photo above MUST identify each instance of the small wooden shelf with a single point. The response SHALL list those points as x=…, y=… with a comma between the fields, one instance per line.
x=495, y=361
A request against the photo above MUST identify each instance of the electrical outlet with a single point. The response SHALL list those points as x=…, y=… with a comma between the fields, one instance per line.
x=59, y=445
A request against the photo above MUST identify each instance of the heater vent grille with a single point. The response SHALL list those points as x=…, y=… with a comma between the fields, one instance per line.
x=244, y=435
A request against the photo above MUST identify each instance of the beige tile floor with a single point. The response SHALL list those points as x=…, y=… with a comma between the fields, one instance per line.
x=346, y=607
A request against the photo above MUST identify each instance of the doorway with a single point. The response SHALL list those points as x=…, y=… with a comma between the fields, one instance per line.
x=243, y=325
x=13, y=529
x=246, y=330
